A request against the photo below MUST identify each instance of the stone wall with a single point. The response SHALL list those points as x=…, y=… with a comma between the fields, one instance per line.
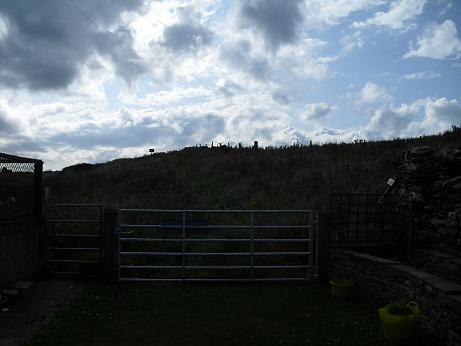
x=384, y=281
x=433, y=182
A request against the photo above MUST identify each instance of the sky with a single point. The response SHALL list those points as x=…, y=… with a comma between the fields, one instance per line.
x=91, y=81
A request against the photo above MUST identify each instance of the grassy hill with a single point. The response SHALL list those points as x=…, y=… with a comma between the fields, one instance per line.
x=283, y=177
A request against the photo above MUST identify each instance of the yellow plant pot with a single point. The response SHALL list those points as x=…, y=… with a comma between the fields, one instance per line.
x=341, y=288
x=397, y=327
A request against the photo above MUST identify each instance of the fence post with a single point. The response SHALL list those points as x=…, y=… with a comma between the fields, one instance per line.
x=183, y=243
x=323, y=247
x=38, y=193
x=252, y=245
x=111, y=244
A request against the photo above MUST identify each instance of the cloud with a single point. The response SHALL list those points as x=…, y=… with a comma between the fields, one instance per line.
x=173, y=131
x=316, y=111
x=281, y=97
x=175, y=96
x=238, y=55
x=438, y=42
x=188, y=34
x=23, y=146
x=302, y=59
x=422, y=75
x=391, y=122
x=3, y=27
x=371, y=93
x=321, y=13
x=328, y=135
x=353, y=41
x=6, y=123
x=257, y=123
x=228, y=88
x=186, y=37
x=400, y=13
x=46, y=46
x=118, y=45
x=423, y=116
x=440, y=114
x=277, y=21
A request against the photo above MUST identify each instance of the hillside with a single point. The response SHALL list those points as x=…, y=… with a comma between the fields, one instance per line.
x=285, y=177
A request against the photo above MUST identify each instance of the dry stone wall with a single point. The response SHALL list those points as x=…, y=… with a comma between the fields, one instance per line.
x=433, y=183
x=383, y=281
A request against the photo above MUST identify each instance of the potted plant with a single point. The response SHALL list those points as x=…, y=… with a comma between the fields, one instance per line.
x=399, y=320
x=341, y=288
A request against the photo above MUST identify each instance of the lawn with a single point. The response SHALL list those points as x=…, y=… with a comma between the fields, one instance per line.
x=254, y=314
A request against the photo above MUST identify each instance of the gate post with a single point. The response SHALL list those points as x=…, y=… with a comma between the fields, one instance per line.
x=111, y=245
x=323, y=247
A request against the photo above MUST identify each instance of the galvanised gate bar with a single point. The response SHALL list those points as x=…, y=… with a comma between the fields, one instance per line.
x=72, y=239
x=188, y=245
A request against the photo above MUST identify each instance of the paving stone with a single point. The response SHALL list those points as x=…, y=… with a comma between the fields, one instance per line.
x=24, y=287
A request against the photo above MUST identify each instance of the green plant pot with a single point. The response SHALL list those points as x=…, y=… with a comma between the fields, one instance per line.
x=341, y=288
x=397, y=327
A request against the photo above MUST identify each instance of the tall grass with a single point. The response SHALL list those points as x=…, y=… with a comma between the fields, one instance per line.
x=298, y=176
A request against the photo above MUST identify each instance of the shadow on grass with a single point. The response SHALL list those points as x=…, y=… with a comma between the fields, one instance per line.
x=253, y=314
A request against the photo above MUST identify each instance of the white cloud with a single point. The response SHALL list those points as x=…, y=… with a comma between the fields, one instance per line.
x=170, y=97
x=321, y=13
x=158, y=15
x=422, y=75
x=209, y=78
x=371, y=93
x=440, y=114
x=304, y=61
x=400, y=14
x=438, y=42
x=316, y=111
x=423, y=116
x=353, y=41
x=328, y=135
x=390, y=122
x=3, y=27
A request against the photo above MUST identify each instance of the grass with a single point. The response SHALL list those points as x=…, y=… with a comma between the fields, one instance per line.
x=290, y=177
x=303, y=314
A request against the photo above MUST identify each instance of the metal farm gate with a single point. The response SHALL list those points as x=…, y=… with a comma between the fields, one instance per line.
x=73, y=240
x=216, y=245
